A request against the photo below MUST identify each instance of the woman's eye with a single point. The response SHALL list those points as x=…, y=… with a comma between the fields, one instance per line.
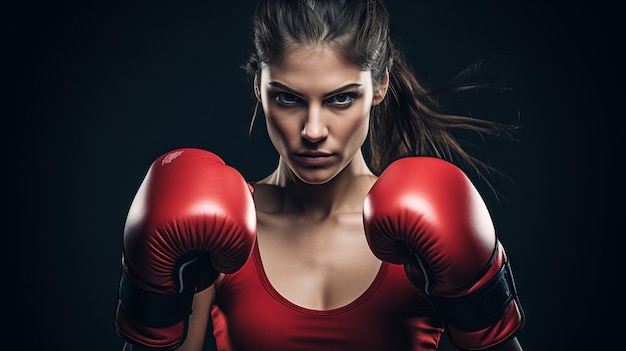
x=342, y=99
x=286, y=98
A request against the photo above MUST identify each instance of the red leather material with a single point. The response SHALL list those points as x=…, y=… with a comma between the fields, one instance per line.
x=427, y=207
x=190, y=202
x=504, y=329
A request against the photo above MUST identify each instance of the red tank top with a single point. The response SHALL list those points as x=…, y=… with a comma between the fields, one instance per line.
x=391, y=315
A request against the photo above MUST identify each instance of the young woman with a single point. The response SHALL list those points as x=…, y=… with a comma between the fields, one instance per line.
x=330, y=252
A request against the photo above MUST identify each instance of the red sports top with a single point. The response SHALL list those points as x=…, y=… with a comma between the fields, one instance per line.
x=391, y=315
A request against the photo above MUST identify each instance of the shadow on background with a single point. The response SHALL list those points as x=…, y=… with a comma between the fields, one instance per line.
x=92, y=93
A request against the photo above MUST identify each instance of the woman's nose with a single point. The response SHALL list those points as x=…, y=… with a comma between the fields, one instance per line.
x=314, y=129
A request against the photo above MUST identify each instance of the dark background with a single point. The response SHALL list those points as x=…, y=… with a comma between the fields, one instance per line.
x=92, y=92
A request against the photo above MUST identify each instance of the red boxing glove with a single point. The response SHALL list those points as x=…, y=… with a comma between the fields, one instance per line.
x=192, y=217
x=425, y=213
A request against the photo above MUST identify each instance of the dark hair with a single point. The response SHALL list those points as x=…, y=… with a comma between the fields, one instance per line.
x=407, y=122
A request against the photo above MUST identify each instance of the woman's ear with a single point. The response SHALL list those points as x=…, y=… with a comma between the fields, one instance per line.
x=257, y=91
x=380, y=93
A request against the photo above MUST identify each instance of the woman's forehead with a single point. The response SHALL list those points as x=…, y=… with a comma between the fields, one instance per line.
x=313, y=61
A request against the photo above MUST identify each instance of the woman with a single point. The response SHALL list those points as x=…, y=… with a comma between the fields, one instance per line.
x=310, y=264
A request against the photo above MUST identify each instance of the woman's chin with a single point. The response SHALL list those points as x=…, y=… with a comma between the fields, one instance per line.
x=314, y=177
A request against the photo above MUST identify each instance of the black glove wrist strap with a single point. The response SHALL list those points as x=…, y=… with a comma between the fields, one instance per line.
x=152, y=309
x=482, y=307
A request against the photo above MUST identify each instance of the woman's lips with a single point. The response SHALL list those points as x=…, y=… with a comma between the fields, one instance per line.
x=314, y=158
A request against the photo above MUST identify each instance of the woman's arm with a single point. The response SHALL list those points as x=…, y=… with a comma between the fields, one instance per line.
x=198, y=322
x=511, y=345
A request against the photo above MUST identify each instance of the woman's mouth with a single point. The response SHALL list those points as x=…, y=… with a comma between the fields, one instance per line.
x=314, y=158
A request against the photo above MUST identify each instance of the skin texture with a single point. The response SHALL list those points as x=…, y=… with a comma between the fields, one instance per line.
x=302, y=119
x=317, y=111
x=316, y=106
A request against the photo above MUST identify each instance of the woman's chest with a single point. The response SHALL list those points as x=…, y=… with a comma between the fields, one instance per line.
x=254, y=316
x=318, y=265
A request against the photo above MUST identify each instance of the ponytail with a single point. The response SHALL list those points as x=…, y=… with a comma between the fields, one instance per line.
x=407, y=122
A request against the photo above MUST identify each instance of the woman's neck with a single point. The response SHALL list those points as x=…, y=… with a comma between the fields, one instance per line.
x=343, y=193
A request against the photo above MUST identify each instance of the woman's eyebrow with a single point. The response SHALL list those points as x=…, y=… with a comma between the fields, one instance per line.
x=343, y=88
x=297, y=93
x=286, y=88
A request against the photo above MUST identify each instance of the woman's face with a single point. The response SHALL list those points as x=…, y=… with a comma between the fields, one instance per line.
x=317, y=107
